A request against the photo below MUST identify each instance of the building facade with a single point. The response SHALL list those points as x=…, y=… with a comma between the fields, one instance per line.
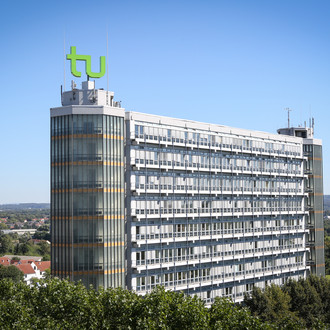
x=87, y=188
x=209, y=210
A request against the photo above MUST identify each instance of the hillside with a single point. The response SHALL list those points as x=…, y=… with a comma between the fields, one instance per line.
x=24, y=206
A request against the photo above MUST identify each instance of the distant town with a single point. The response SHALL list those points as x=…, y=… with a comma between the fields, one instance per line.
x=24, y=241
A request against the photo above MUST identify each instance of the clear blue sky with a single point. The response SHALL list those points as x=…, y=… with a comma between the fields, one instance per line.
x=236, y=63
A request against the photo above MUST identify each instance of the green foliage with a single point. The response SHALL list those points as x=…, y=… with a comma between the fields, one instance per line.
x=327, y=254
x=225, y=315
x=47, y=273
x=11, y=272
x=305, y=300
x=43, y=232
x=3, y=226
x=24, y=238
x=6, y=244
x=44, y=248
x=15, y=258
x=297, y=305
x=23, y=245
x=174, y=310
x=327, y=226
x=121, y=309
x=59, y=304
x=272, y=305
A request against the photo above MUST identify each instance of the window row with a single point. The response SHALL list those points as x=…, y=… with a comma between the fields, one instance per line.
x=170, y=255
x=87, y=124
x=140, y=207
x=189, y=137
x=215, y=161
x=143, y=283
x=215, y=228
x=214, y=183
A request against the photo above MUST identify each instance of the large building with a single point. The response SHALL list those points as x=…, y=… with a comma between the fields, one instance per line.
x=141, y=200
x=87, y=188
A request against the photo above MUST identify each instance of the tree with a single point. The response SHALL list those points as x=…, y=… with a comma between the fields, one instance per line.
x=6, y=244
x=305, y=301
x=327, y=254
x=11, y=272
x=60, y=304
x=44, y=248
x=3, y=226
x=174, y=310
x=15, y=258
x=272, y=305
x=23, y=248
x=225, y=315
x=47, y=274
x=43, y=233
x=46, y=257
x=24, y=238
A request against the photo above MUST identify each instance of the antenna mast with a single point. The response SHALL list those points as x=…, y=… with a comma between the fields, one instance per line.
x=107, y=68
x=288, y=110
x=64, y=60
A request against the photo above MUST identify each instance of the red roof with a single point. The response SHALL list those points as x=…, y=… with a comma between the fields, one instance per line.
x=42, y=265
x=15, y=262
x=4, y=261
x=26, y=268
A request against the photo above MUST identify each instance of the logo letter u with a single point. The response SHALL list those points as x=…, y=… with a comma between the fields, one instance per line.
x=95, y=74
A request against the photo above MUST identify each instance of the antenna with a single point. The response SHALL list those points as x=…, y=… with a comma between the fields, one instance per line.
x=64, y=60
x=107, y=67
x=288, y=110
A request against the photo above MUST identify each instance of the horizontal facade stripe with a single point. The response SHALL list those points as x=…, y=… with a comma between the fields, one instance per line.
x=78, y=190
x=88, y=163
x=90, y=272
x=315, y=176
x=316, y=212
x=89, y=217
x=314, y=158
x=88, y=244
x=320, y=265
x=80, y=136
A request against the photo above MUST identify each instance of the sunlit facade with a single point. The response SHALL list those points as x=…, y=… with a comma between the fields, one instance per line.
x=214, y=211
x=141, y=200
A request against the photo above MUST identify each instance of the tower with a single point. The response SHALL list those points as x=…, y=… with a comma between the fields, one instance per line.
x=313, y=173
x=87, y=187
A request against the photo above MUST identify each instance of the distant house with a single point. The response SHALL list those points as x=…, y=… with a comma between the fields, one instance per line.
x=30, y=267
x=28, y=271
x=42, y=266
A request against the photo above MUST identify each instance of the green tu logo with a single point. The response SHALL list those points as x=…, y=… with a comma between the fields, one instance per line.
x=87, y=58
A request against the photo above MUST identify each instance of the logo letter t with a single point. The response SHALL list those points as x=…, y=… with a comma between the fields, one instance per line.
x=73, y=57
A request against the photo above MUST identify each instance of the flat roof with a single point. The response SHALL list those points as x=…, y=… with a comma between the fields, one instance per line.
x=215, y=128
